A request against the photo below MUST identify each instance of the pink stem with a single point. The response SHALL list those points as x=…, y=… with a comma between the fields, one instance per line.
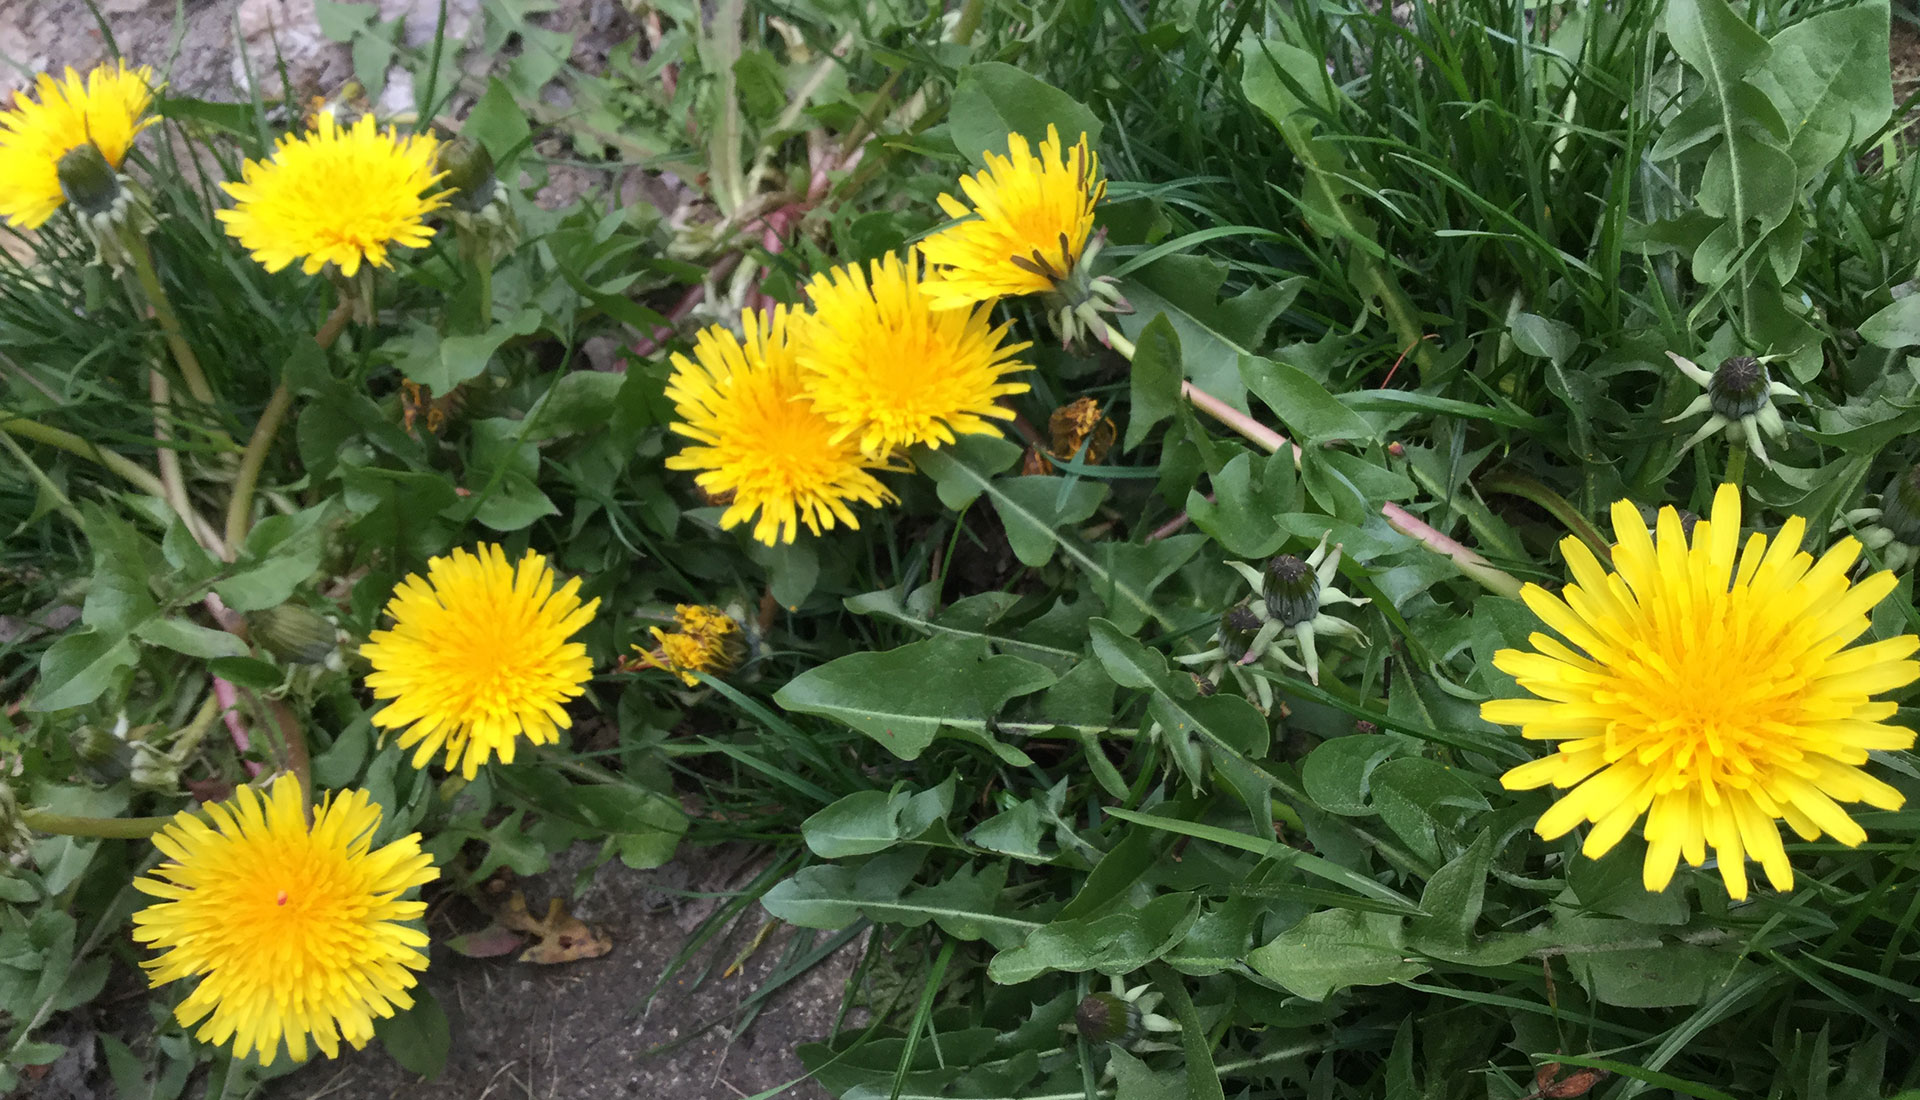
x=1490, y=576
x=223, y=691
x=229, y=698
x=1173, y=525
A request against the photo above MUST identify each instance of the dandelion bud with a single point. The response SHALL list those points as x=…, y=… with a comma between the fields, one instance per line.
x=1107, y=1018
x=1292, y=591
x=1237, y=629
x=293, y=634
x=469, y=169
x=1900, y=507
x=103, y=755
x=87, y=180
x=1739, y=388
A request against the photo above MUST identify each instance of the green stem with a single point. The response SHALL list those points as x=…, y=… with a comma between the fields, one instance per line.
x=162, y=306
x=161, y=394
x=1489, y=576
x=240, y=508
x=21, y=427
x=117, y=828
x=1527, y=488
x=1736, y=463
x=968, y=22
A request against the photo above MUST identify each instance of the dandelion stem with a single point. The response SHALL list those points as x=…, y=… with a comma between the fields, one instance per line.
x=162, y=307
x=1527, y=488
x=160, y=391
x=240, y=508
x=21, y=427
x=118, y=828
x=1491, y=577
x=1737, y=464
x=968, y=22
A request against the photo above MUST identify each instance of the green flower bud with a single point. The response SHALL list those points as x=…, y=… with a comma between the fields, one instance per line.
x=1292, y=591
x=469, y=169
x=1107, y=1018
x=1900, y=507
x=87, y=180
x=293, y=633
x=1739, y=388
x=1237, y=629
x=104, y=756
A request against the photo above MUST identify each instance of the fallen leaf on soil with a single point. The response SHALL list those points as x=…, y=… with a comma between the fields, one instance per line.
x=488, y=943
x=563, y=937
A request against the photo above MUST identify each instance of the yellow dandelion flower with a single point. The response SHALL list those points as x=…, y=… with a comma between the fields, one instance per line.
x=108, y=109
x=758, y=444
x=478, y=656
x=890, y=371
x=335, y=195
x=707, y=640
x=1026, y=229
x=294, y=931
x=1711, y=688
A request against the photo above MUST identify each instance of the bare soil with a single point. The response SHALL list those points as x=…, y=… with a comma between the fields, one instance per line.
x=575, y=1031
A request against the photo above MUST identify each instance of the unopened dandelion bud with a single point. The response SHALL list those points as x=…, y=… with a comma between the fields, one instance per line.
x=293, y=633
x=469, y=169
x=103, y=755
x=1292, y=591
x=1237, y=630
x=1900, y=507
x=1739, y=388
x=88, y=180
x=1107, y=1018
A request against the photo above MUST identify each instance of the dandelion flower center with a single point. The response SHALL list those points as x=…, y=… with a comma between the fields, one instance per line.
x=1027, y=226
x=1713, y=688
x=478, y=656
x=107, y=110
x=295, y=932
x=339, y=195
x=889, y=370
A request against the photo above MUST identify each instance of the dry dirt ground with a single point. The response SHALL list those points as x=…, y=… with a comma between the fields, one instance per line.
x=573, y=1031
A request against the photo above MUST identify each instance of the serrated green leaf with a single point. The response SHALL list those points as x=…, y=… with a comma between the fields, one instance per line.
x=993, y=99
x=191, y=639
x=1310, y=413
x=904, y=697
x=1154, y=381
x=1336, y=948
x=79, y=667
x=1119, y=942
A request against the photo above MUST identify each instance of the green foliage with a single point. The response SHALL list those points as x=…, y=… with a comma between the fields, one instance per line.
x=1442, y=249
